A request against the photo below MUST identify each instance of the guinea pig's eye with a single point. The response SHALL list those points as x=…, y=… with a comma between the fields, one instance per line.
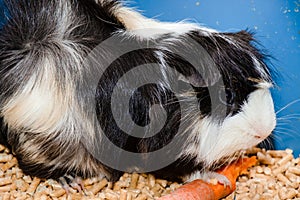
x=227, y=98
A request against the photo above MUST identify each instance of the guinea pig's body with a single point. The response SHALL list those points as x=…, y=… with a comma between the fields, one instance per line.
x=57, y=109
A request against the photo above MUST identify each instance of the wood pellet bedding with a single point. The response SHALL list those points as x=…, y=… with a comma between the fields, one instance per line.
x=277, y=176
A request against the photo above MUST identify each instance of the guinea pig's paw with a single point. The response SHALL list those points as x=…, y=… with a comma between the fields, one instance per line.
x=69, y=181
x=219, y=177
x=210, y=177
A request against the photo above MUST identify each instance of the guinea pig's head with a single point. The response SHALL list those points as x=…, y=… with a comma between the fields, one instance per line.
x=250, y=125
x=249, y=116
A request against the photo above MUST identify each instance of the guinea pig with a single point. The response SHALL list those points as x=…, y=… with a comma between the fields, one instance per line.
x=93, y=88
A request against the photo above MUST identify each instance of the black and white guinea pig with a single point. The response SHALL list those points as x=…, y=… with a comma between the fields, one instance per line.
x=58, y=114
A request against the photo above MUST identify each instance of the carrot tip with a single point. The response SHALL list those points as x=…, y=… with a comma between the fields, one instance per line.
x=200, y=190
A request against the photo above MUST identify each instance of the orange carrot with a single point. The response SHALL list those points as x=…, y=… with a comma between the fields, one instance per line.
x=200, y=190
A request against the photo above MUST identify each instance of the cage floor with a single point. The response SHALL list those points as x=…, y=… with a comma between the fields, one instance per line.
x=276, y=176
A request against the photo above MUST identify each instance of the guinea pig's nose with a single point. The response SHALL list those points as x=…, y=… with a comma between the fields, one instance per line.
x=257, y=136
x=261, y=135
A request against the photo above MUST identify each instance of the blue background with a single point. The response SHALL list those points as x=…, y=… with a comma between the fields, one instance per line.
x=277, y=27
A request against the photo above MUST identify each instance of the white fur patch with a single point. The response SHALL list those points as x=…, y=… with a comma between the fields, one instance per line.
x=249, y=127
x=39, y=106
x=145, y=28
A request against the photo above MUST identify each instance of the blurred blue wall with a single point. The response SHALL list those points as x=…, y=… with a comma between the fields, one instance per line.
x=277, y=24
x=277, y=27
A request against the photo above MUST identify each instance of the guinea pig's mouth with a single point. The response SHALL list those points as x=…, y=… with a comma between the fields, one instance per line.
x=261, y=137
x=257, y=139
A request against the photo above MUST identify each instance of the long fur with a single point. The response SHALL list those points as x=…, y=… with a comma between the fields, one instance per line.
x=46, y=114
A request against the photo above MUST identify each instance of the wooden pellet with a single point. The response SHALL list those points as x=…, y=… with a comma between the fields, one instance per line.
x=281, y=169
x=117, y=186
x=151, y=180
x=5, y=158
x=99, y=186
x=294, y=185
x=58, y=193
x=9, y=164
x=141, y=197
x=2, y=148
x=252, y=190
x=291, y=193
x=4, y=189
x=259, y=177
x=34, y=184
x=129, y=196
x=267, y=171
x=267, y=196
x=162, y=182
x=75, y=196
x=259, y=189
x=123, y=195
x=283, y=179
x=110, y=185
x=13, y=185
x=21, y=196
x=265, y=159
x=147, y=192
x=259, y=169
x=285, y=160
x=141, y=185
x=272, y=185
x=243, y=189
x=44, y=197
x=134, y=180
x=111, y=195
x=22, y=185
x=253, y=151
x=174, y=186
x=134, y=192
x=27, y=179
x=5, y=181
x=19, y=174
x=90, y=181
x=294, y=170
x=277, y=154
x=292, y=177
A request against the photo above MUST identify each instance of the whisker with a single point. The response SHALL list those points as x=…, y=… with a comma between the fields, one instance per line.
x=288, y=105
x=285, y=129
x=279, y=140
x=287, y=118
x=283, y=123
x=276, y=138
x=284, y=133
x=268, y=142
x=294, y=114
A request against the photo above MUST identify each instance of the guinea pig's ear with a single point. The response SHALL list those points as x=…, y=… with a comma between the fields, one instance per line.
x=201, y=79
x=194, y=80
x=198, y=73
